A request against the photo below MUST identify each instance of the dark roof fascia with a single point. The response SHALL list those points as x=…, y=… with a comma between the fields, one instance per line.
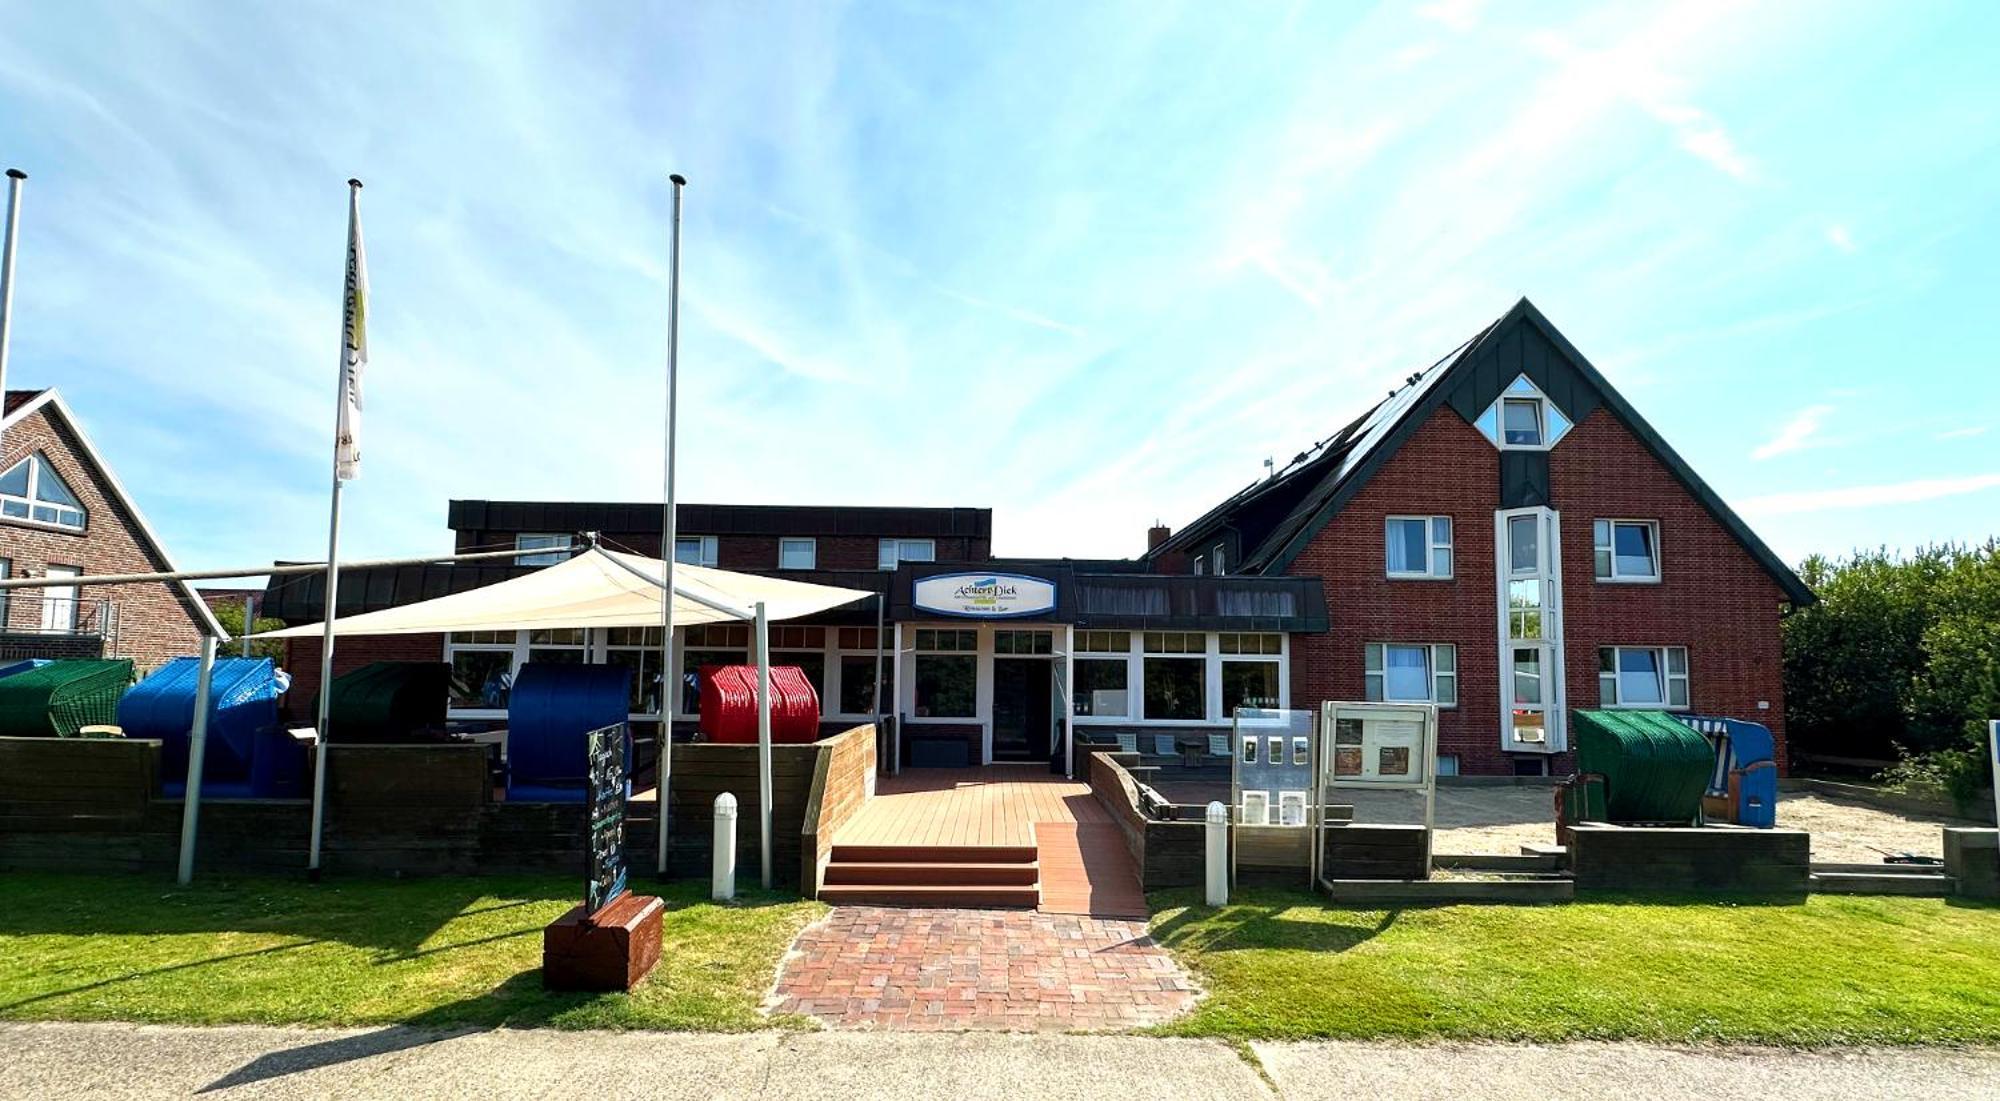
x=1795, y=587
x=720, y=519
x=1421, y=411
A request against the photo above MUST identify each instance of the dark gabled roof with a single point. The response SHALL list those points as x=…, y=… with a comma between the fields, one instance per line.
x=1522, y=341
x=701, y=519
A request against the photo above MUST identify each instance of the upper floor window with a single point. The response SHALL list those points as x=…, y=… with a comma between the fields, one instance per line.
x=1626, y=550
x=1221, y=560
x=32, y=490
x=1200, y=564
x=1418, y=547
x=797, y=554
x=1523, y=418
x=1410, y=673
x=695, y=550
x=541, y=549
x=892, y=551
x=1642, y=676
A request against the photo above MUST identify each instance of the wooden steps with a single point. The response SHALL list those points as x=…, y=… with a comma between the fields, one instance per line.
x=933, y=875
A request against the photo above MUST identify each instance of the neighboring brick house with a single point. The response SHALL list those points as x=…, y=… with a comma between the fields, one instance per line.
x=63, y=514
x=1628, y=582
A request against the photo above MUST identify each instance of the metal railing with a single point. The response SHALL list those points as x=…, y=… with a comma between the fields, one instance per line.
x=28, y=613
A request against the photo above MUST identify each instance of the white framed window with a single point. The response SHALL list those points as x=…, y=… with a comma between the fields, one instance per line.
x=482, y=669
x=638, y=650
x=945, y=672
x=1402, y=672
x=696, y=550
x=890, y=552
x=802, y=645
x=541, y=548
x=1626, y=550
x=1200, y=564
x=1102, y=663
x=1523, y=418
x=854, y=663
x=1643, y=676
x=1174, y=676
x=1417, y=547
x=1220, y=559
x=798, y=554
x=32, y=491
x=1528, y=556
x=1252, y=666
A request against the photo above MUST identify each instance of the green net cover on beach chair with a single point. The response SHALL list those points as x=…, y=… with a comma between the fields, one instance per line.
x=61, y=698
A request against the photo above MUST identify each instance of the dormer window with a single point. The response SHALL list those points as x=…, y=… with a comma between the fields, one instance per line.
x=31, y=490
x=1523, y=418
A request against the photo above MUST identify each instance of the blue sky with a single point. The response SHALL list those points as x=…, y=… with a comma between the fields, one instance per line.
x=1088, y=265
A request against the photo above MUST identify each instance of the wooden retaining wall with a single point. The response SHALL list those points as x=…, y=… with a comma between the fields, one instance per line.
x=94, y=805
x=1712, y=858
x=843, y=781
x=1167, y=854
x=71, y=801
x=1375, y=851
x=1972, y=858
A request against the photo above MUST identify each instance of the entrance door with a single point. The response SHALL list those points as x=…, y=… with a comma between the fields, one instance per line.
x=1022, y=702
x=59, y=602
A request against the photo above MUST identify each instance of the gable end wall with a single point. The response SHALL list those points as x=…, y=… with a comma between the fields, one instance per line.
x=155, y=621
x=1713, y=597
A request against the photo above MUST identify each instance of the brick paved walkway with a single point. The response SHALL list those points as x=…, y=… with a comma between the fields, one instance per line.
x=865, y=966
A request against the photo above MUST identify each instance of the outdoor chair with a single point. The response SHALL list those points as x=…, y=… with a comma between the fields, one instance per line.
x=1164, y=746
x=1128, y=742
x=1218, y=746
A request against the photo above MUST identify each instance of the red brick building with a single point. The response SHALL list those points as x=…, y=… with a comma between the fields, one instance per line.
x=1503, y=536
x=63, y=515
x=1506, y=537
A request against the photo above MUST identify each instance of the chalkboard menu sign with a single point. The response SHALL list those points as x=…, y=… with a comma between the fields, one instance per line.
x=605, y=818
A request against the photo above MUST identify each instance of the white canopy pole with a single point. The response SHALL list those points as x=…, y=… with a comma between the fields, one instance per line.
x=764, y=740
x=197, y=755
x=670, y=678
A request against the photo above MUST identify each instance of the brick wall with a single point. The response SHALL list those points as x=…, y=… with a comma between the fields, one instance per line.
x=155, y=621
x=1713, y=598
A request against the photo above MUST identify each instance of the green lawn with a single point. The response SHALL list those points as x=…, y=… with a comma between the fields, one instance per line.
x=357, y=952
x=1832, y=970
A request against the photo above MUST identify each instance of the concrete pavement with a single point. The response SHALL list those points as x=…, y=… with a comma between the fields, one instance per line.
x=114, y=1061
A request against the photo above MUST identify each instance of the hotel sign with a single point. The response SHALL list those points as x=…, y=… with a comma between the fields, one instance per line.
x=985, y=595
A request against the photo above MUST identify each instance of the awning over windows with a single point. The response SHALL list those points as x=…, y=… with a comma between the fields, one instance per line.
x=598, y=588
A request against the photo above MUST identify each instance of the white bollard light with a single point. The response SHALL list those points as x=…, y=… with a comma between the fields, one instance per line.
x=722, y=869
x=1218, y=854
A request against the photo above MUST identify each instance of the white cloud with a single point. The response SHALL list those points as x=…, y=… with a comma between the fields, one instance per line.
x=1965, y=433
x=1458, y=15
x=1838, y=236
x=1898, y=493
x=1796, y=433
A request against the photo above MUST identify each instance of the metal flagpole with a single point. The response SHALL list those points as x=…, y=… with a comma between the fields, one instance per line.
x=197, y=756
x=764, y=740
x=15, y=177
x=670, y=679
x=353, y=353
x=249, y=622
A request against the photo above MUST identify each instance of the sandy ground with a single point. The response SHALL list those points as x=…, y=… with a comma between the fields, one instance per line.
x=1502, y=819
x=110, y=1061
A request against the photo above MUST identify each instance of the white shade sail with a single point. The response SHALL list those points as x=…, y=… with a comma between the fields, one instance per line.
x=597, y=588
